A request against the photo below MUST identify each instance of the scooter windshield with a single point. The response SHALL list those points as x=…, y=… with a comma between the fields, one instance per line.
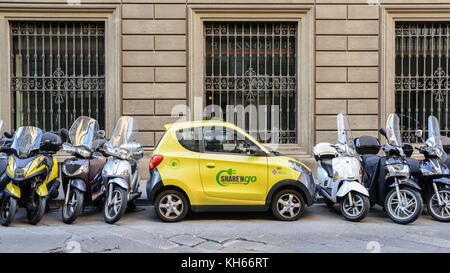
x=126, y=131
x=84, y=132
x=434, y=137
x=345, y=136
x=393, y=130
x=26, y=139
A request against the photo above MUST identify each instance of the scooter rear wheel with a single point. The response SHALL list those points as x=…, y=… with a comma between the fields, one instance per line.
x=403, y=214
x=72, y=210
x=8, y=210
x=440, y=213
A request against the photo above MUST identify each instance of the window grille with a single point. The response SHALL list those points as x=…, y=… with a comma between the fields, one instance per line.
x=421, y=76
x=57, y=73
x=254, y=64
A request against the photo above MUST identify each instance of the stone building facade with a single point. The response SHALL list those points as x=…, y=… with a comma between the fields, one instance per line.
x=343, y=56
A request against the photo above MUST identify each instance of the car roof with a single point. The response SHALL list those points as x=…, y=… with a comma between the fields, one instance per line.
x=197, y=123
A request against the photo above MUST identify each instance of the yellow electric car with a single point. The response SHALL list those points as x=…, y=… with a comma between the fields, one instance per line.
x=216, y=166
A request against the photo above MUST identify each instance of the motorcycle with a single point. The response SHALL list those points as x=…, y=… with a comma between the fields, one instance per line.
x=82, y=173
x=5, y=145
x=388, y=179
x=434, y=173
x=339, y=174
x=120, y=174
x=32, y=171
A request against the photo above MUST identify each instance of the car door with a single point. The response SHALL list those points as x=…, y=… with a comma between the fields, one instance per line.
x=229, y=172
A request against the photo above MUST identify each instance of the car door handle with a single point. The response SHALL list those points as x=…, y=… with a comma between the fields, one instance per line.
x=210, y=165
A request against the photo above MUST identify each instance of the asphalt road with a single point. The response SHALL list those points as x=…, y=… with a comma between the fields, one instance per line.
x=319, y=230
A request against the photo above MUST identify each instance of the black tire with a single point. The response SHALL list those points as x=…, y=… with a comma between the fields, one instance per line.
x=8, y=210
x=110, y=214
x=71, y=211
x=35, y=215
x=171, y=206
x=432, y=203
x=365, y=207
x=417, y=209
x=296, y=205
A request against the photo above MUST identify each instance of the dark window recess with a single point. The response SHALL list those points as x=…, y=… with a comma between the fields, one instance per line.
x=57, y=73
x=254, y=64
x=187, y=138
x=422, y=75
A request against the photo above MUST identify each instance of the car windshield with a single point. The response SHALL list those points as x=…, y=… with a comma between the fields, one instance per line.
x=393, y=130
x=434, y=137
x=126, y=131
x=84, y=132
x=26, y=139
x=345, y=136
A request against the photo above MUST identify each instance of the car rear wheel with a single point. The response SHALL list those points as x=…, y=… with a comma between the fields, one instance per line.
x=171, y=206
x=288, y=205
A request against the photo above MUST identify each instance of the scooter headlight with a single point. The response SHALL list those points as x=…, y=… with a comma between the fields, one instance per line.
x=20, y=172
x=398, y=170
x=83, y=152
x=123, y=154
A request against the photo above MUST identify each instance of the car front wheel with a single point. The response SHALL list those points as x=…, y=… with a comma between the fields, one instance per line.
x=288, y=205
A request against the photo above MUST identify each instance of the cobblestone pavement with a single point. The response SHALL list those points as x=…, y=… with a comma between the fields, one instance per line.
x=319, y=230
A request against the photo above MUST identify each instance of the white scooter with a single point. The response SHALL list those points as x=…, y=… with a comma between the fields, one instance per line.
x=339, y=173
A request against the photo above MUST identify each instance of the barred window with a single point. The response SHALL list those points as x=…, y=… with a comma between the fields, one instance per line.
x=254, y=64
x=422, y=75
x=57, y=73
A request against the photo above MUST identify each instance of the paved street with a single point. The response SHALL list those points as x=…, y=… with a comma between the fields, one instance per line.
x=319, y=230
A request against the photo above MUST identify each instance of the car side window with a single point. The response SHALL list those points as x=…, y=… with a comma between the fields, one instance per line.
x=219, y=139
x=187, y=138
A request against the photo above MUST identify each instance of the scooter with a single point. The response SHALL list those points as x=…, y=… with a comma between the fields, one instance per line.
x=121, y=174
x=81, y=174
x=434, y=173
x=32, y=171
x=388, y=179
x=5, y=145
x=339, y=174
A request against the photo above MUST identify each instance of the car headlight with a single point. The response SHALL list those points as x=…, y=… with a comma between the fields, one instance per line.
x=297, y=166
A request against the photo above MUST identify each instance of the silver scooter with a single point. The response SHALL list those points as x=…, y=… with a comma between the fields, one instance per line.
x=339, y=173
x=121, y=174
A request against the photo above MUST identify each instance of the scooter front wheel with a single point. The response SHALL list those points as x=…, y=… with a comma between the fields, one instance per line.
x=115, y=205
x=440, y=212
x=357, y=209
x=35, y=212
x=407, y=208
x=73, y=207
x=8, y=210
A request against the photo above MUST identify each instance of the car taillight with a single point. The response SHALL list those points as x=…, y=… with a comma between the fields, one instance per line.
x=156, y=159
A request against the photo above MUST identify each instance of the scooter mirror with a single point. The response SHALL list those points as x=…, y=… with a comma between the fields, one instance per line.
x=419, y=133
x=382, y=131
x=101, y=134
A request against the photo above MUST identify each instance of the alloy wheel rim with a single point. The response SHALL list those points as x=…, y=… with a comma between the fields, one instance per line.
x=171, y=206
x=288, y=205
x=400, y=211
x=70, y=206
x=114, y=204
x=444, y=210
x=357, y=206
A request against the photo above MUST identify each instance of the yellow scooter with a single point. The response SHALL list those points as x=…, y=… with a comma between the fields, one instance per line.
x=33, y=171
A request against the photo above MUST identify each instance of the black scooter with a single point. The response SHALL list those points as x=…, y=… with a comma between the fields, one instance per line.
x=388, y=179
x=433, y=173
